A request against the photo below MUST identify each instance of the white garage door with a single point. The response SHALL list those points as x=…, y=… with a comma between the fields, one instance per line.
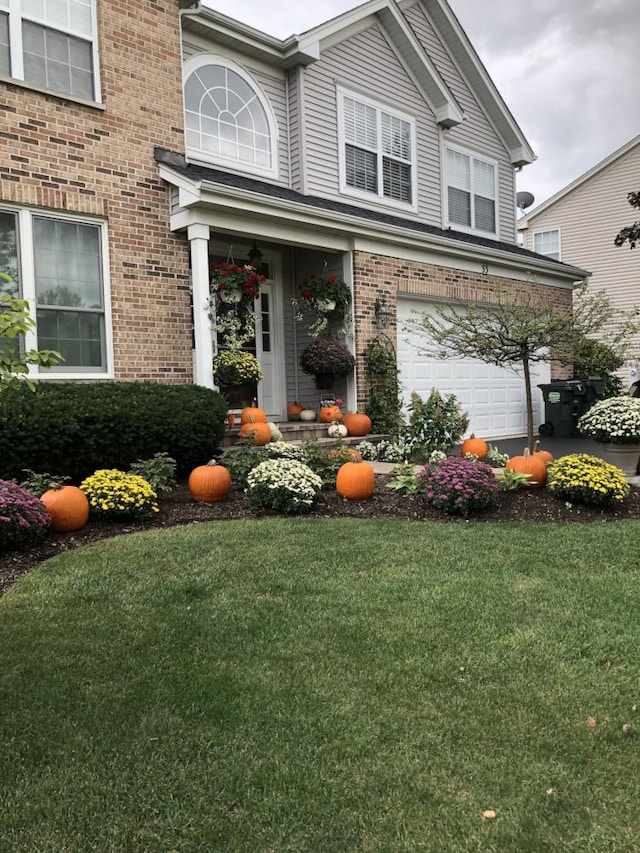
x=493, y=397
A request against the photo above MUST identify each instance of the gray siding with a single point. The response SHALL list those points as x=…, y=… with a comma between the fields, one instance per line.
x=476, y=132
x=274, y=88
x=366, y=64
x=295, y=129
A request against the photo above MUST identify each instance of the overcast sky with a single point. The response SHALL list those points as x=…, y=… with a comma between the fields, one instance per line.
x=569, y=70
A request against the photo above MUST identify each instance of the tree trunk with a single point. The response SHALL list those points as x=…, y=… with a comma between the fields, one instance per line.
x=527, y=387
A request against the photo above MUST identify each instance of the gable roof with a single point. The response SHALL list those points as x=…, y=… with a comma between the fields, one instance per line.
x=525, y=221
x=201, y=181
x=306, y=48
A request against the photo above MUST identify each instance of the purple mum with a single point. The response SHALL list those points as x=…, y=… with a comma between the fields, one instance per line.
x=457, y=485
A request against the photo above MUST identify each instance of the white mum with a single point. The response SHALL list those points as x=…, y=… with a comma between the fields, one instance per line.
x=283, y=484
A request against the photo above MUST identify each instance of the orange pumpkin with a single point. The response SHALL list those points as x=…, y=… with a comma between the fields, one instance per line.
x=253, y=415
x=328, y=414
x=355, y=481
x=357, y=424
x=209, y=483
x=477, y=446
x=259, y=433
x=68, y=507
x=293, y=411
x=542, y=454
x=533, y=466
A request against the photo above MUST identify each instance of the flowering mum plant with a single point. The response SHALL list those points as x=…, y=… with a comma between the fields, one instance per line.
x=116, y=494
x=236, y=367
x=233, y=279
x=587, y=479
x=284, y=450
x=325, y=355
x=615, y=420
x=285, y=485
x=457, y=485
x=23, y=516
x=325, y=288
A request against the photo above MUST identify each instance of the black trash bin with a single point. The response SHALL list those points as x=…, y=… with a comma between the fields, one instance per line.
x=563, y=402
x=593, y=390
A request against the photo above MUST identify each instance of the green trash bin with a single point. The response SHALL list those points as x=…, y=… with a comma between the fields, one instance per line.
x=563, y=402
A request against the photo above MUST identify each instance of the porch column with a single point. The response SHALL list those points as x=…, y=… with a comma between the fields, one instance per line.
x=199, y=245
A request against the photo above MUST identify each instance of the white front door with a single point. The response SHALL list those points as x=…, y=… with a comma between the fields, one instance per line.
x=270, y=347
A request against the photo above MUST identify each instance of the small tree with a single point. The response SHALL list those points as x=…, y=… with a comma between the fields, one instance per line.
x=630, y=234
x=518, y=331
x=15, y=322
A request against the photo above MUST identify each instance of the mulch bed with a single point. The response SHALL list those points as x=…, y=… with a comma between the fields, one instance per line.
x=178, y=508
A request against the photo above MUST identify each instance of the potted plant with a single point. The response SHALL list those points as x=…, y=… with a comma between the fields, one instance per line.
x=232, y=282
x=615, y=424
x=325, y=359
x=325, y=292
x=236, y=372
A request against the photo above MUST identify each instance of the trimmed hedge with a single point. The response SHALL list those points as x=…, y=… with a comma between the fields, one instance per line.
x=74, y=428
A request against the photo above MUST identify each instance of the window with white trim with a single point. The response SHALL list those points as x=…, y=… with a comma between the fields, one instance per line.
x=378, y=151
x=51, y=44
x=471, y=191
x=57, y=263
x=547, y=243
x=226, y=116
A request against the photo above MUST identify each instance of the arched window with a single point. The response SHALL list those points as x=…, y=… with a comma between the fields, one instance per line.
x=226, y=118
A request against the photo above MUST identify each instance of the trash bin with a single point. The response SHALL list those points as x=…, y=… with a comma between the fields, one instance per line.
x=563, y=402
x=593, y=390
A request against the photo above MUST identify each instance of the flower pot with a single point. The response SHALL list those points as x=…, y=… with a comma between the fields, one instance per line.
x=239, y=396
x=230, y=296
x=324, y=380
x=624, y=456
x=325, y=305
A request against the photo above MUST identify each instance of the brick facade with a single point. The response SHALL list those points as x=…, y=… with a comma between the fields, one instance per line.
x=377, y=276
x=58, y=154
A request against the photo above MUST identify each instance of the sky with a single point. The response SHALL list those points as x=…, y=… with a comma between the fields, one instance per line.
x=568, y=70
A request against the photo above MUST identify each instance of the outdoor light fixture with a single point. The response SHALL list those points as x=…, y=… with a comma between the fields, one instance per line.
x=255, y=257
x=382, y=312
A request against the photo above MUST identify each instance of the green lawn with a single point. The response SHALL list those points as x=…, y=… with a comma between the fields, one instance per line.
x=304, y=685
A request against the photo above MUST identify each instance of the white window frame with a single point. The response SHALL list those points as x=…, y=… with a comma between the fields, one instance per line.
x=16, y=55
x=379, y=196
x=27, y=290
x=456, y=226
x=207, y=158
x=540, y=231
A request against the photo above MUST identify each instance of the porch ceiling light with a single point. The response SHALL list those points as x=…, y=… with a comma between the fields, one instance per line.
x=255, y=257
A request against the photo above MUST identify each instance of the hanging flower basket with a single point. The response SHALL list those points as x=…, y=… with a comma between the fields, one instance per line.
x=232, y=282
x=325, y=356
x=325, y=293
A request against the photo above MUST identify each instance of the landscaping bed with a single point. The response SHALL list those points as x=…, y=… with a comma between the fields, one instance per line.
x=528, y=505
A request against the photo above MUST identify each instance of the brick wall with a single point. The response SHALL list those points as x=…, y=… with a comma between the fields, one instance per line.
x=380, y=276
x=61, y=155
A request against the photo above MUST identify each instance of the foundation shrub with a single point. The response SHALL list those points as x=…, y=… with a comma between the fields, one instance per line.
x=76, y=428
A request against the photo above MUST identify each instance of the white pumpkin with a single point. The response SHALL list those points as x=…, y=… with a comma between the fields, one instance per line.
x=276, y=435
x=307, y=415
x=337, y=431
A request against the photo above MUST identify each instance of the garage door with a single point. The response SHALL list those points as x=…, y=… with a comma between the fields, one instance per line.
x=493, y=397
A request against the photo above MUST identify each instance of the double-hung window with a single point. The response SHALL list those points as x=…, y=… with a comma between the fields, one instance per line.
x=378, y=151
x=51, y=44
x=471, y=191
x=547, y=243
x=58, y=264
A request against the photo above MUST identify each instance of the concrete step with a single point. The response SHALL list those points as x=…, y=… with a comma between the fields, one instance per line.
x=297, y=432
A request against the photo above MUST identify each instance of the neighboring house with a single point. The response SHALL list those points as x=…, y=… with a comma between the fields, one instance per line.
x=141, y=141
x=578, y=225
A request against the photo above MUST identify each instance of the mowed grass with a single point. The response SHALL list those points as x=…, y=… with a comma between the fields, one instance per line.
x=338, y=685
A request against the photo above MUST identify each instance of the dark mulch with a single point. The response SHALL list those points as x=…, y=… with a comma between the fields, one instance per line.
x=178, y=508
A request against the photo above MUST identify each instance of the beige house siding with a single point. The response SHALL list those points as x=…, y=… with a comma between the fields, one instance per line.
x=589, y=217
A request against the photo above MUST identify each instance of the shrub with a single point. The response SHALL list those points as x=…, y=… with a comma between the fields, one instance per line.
x=39, y=483
x=240, y=459
x=326, y=466
x=116, y=494
x=436, y=423
x=23, y=517
x=76, y=428
x=457, y=485
x=581, y=478
x=159, y=472
x=284, y=485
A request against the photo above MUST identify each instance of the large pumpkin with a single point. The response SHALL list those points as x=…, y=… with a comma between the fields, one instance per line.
x=259, y=433
x=209, y=483
x=253, y=415
x=357, y=424
x=293, y=411
x=68, y=507
x=355, y=481
x=533, y=466
x=328, y=414
x=542, y=454
x=477, y=446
